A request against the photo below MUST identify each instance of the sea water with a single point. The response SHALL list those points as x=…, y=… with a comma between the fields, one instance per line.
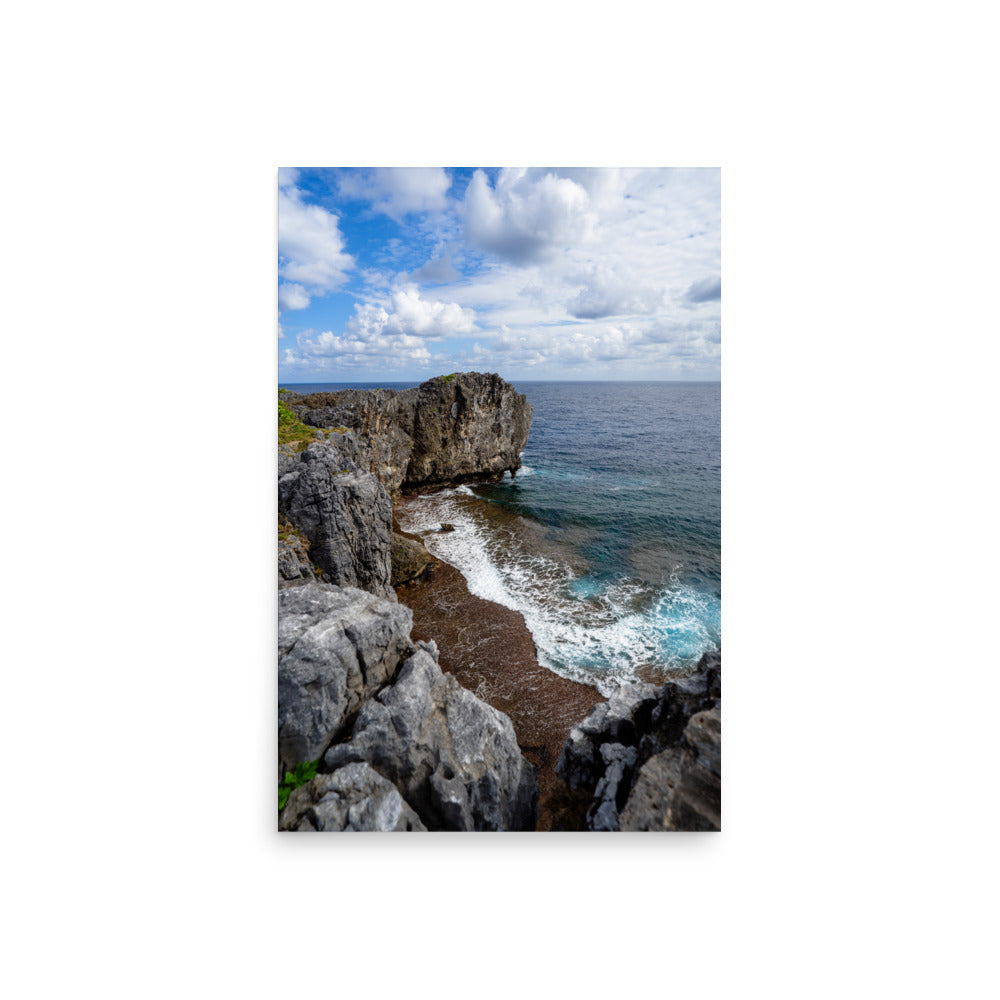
x=607, y=540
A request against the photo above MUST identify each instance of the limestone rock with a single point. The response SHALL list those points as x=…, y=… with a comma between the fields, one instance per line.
x=680, y=788
x=294, y=567
x=650, y=758
x=620, y=719
x=346, y=516
x=409, y=559
x=454, y=758
x=612, y=789
x=336, y=647
x=355, y=798
x=450, y=429
x=465, y=426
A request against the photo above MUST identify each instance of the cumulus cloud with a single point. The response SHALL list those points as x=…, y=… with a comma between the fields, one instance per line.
x=706, y=290
x=398, y=191
x=526, y=218
x=310, y=246
x=292, y=296
x=393, y=335
x=407, y=313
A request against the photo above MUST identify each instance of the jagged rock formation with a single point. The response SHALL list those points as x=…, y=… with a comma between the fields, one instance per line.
x=346, y=516
x=650, y=759
x=455, y=758
x=353, y=689
x=336, y=647
x=451, y=429
x=294, y=565
x=423, y=752
x=337, y=491
x=355, y=798
x=679, y=789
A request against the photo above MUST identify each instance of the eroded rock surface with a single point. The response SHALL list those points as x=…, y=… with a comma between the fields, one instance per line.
x=450, y=429
x=650, y=758
x=680, y=788
x=346, y=515
x=454, y=758
x=336, y=647
x=354, y=798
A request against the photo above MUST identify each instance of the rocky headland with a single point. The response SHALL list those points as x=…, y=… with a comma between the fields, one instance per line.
x=372, y=731
x=396, y=744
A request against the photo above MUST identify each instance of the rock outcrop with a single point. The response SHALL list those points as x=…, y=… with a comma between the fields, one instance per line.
x=353, y=690
x=650, y=759
x=450, y=429
x=336, y=647
x=355, y=798
x=346, y=516
x=416, y=750
x=455, y=758
x=680, y=788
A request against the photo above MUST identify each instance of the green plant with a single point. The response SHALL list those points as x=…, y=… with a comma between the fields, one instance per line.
x=304, y=771
x=448, y=378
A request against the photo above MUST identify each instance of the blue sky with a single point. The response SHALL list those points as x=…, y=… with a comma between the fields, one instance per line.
x=399, y=274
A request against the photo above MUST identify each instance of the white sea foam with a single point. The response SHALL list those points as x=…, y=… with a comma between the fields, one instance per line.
x=594, y=632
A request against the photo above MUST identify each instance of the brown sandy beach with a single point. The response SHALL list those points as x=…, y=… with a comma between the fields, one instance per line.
x=489, y=649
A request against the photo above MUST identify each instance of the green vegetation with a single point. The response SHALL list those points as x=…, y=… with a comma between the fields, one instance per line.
x=293, y=432
x=448, y=378
x=304, y=771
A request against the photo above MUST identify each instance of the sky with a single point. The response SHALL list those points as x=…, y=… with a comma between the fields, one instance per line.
x=400, y=274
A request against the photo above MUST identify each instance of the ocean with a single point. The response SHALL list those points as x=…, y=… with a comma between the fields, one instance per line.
x=607, y=541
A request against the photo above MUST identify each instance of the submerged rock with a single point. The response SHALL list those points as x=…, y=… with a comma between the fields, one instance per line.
x=355, y=798
x=336, y=647
x=454, y=758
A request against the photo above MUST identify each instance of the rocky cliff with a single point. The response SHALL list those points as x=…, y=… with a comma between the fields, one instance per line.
x=399, y=744
x=359, y=449
x=449, y=430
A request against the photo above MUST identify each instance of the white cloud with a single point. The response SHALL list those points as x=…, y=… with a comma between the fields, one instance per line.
x=398, y=191
x=292, y=296
x=524, y=218
x=310, y=246
x=408, y=313
x=608, y=292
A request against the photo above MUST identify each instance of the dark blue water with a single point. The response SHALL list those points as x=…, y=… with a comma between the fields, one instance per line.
x=608, y=539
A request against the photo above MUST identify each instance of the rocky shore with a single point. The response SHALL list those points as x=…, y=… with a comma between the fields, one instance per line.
x=377, y=730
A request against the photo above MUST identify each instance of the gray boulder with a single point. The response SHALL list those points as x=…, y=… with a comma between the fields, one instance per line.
x=620, y=720
x=409, y=559
x=336, y=648
x=454, y=758
x=355, y=798
x=680, y=788
x=346, y=516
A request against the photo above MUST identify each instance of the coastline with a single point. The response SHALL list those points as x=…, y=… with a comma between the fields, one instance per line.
x=489, y=650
